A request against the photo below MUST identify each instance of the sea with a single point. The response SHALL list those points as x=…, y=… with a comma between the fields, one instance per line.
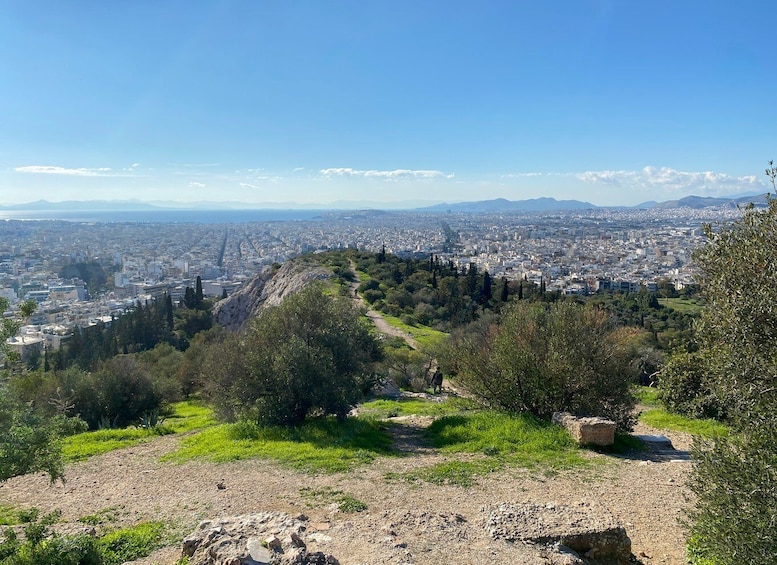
x=168, y=215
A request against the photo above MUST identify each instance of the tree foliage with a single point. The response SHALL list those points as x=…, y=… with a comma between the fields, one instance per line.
x=310, y=355
x=28, y=442
x=544, y=358
x=735, y=512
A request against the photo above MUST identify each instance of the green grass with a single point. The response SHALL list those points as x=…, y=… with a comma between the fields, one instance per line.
x=346, y=504
x=690, y=306
x=9, y=515
x=647, y=396
x=185, y=417
x=129, y=544
x=424, y=335
x=318, y=445
x=101, y=517
x=516, y=439
x=663, y=420
x=88, y=444
x=497, y=440
x=385, y=408
x=188, y=416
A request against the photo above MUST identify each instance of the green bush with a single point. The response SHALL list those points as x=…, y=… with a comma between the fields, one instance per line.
x=687, y=386
x=546, y=358
x=734, y=519
x=312, y=355
x=40, y=546
x=117, y=394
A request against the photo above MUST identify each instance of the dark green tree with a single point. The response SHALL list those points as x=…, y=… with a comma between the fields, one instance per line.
x=198, y=295
x=311, y=355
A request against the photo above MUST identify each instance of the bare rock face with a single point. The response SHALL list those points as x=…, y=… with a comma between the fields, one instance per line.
x=571, y=534
x=269, y=288
x=587, y=431
x=252, y=539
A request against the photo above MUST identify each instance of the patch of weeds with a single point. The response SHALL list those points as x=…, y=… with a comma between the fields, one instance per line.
x=457, y=473
x=129, y=544
x=101, y=517
x=664, y=420
x=9, y=515
x=318, y=445
x=347, y=504
x=40, y=546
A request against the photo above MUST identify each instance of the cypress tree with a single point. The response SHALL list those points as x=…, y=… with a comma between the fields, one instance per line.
x=198, y=296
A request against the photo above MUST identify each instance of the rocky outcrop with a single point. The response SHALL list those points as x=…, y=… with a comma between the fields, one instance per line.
x=571, y=534
x=587, y=431
x=253, y=539
x=269, y=288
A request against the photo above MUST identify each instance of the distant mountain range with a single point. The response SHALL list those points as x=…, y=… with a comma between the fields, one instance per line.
x=495, y=205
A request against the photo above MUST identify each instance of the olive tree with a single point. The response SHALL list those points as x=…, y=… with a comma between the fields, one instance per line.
x=544, y=358
x=734, y=517
x=312, y=355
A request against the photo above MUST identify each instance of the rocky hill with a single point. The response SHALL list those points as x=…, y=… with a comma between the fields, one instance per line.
x=269, y=288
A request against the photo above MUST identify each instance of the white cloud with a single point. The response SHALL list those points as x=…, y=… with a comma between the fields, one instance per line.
x=195, y=184
x=397, y=174
x=673, y=181
x=520, y=175
x=54, y=170
x=246, y=185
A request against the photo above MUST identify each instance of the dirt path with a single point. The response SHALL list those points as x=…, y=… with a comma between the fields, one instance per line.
x=405, y=522
x=376, y=317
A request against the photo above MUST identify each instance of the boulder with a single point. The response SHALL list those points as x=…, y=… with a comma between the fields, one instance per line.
x=268, y=288
x=587, y=430
x=567, y=531
x=252, y=539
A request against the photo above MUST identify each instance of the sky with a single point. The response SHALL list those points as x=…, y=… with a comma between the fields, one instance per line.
x=614, y=102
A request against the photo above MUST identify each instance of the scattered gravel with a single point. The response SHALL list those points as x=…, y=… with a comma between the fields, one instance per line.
x=403, y=523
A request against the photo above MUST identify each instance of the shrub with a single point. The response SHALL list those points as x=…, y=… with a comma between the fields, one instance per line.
x=310, y=355
x=545, y=358
x=117, y=394
x=735, y=483
x=687, y=386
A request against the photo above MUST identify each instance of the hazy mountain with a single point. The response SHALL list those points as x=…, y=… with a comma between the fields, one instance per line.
x=84, y=205
x=699, y=202
x=544, y=204
x=504, y=205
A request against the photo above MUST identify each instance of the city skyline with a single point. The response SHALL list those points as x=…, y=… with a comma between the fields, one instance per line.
x=605, y=102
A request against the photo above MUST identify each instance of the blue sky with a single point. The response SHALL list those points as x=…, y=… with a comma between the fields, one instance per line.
x=613, y=102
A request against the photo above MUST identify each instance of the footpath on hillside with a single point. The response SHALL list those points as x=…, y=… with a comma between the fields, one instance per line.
x=376, y=317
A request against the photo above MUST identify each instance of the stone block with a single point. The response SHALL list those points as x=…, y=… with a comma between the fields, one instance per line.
x=587, y=430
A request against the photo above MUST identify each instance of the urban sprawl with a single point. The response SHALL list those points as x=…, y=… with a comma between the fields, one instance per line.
x=578, y=252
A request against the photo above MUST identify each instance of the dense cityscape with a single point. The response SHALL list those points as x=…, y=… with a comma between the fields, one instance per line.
x=80, y=273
